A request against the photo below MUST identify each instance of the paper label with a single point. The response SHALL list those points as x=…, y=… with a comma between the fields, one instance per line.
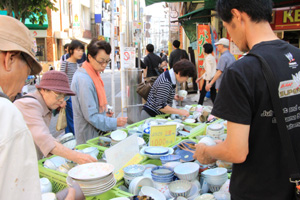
x=162, y=135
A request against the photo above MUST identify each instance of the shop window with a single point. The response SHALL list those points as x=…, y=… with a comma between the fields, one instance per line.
x=40, y=53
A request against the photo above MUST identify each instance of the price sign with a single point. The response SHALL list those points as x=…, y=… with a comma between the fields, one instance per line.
x=162, y=135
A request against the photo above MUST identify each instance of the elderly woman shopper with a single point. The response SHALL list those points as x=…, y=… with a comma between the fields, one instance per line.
x=89, y=105
x=37, y=107
x=70, y=66
x=162, y=93
x=210, y=66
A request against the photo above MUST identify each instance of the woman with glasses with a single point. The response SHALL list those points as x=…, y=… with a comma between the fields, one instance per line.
x=51, y=94
x=70, y=66
x=89, y=104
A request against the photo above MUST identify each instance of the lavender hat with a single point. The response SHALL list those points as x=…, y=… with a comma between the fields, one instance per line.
x=56, y=81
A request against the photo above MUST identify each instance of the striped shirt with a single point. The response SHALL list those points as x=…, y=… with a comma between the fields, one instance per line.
x=72, y=67
x=161, y=94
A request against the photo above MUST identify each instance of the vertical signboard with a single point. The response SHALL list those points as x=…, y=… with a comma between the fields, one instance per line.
x=137, y=31
x=76, y=17
x=128, y=57
x=203, y=36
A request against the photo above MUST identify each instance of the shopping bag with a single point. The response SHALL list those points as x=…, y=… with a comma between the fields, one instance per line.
x=143, y=88
x=62, y=120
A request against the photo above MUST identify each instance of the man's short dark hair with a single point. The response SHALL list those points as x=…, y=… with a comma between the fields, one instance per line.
x=150, y=48
x=185, y=67
x=96, y=45
x=66, y=45
x=176, y=44
x=257, y=10
x=208, y=48
x=75, y=44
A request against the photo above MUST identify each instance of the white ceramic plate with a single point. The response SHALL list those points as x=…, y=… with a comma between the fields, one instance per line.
x=156, y=150
x=91, y=171
x=142, y=152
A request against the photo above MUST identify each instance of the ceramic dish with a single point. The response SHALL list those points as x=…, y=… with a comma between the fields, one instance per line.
x=91, y=171
x=156, y=150
x=134, y=170
x=137, y=183
x=142, y=152
x=187, y=171
x=180, y=188
x=118, y=135
x=152, y=192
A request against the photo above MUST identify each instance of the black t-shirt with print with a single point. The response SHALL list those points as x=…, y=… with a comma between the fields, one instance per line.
x=244, y=98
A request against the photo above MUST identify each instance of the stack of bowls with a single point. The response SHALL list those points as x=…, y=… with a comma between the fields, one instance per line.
x=133, y=171
x=215, y=131
x=162, y=174
x=180, y=188
x=215, y=178
x=187, y=171
x=170, y=158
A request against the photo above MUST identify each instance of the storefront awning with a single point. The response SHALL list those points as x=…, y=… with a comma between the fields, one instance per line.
x=29, y=24
x=285, y=3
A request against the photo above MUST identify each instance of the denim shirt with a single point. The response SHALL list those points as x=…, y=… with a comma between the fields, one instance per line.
x=87, y=119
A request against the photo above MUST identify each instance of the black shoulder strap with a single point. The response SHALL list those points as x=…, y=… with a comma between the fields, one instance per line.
x=26, y=96
x=282, y=129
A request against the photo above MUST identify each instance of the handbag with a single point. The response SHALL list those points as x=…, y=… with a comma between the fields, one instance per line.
x=62, y=120
x=283, y=132
x=143, y=88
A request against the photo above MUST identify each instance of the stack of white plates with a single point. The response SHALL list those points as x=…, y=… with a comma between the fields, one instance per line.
x=93, y=178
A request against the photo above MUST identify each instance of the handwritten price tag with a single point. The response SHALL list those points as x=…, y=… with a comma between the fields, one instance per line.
x=162, y=135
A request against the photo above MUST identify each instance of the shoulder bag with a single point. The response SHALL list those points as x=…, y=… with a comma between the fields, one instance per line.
x=283, y=132
x=143, y=88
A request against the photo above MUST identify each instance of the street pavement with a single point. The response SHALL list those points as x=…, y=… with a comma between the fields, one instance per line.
x=106, y=77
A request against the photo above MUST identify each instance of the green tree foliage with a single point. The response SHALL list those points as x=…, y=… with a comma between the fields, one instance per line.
x=32, y=9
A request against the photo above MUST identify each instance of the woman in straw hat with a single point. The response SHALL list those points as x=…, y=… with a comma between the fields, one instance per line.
x=51, y=94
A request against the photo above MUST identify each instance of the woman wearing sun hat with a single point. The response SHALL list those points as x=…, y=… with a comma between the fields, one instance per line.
x=37, y=107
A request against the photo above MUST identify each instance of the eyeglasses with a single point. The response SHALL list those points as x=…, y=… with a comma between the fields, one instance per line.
x=60, y=96
x=26, y=59
x=102, y=62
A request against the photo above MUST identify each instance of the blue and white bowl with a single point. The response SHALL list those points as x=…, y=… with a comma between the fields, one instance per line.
x=134, y=170
x=169, y=158
x=180, y=188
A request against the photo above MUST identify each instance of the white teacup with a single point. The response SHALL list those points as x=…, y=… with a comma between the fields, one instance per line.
x=46, y=185
x=182, y=93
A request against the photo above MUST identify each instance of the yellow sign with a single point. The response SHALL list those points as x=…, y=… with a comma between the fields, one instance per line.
x=135, y=160
x=162, y=135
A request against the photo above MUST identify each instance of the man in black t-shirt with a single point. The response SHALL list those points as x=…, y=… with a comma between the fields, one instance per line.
x=177, y=54
x=151, y=61
x=253, y=143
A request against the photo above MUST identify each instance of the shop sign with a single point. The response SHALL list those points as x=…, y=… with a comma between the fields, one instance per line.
x=128, y=57
x=203, y=36
x=288, y=19
x=137, y=31
x=39, y=33
x=164, y=135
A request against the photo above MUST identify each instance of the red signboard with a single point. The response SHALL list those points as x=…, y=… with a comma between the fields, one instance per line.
x=287, y=19
x=203, y=36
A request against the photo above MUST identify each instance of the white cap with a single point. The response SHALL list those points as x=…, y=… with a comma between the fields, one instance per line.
x=223, y=41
